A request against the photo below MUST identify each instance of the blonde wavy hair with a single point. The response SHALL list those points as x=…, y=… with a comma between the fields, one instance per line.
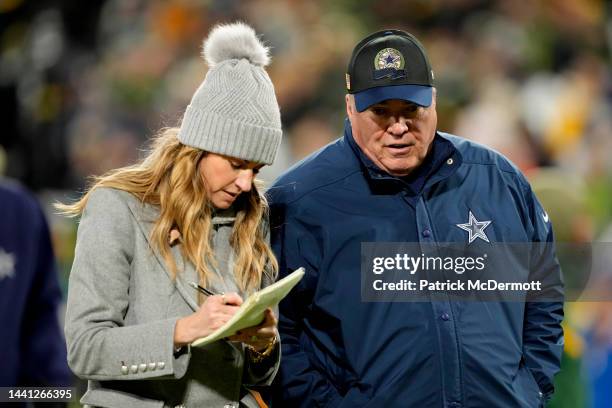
x=168, y=177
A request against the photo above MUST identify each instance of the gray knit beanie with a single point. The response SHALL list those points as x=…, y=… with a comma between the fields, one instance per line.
x=234, y=112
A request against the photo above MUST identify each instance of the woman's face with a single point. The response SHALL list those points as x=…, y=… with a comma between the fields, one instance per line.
x=227, y=177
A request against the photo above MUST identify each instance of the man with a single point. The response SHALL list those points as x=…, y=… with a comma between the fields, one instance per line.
x=32, y=348
x=393, y=178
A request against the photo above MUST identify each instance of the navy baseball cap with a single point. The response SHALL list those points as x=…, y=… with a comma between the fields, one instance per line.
x=389, y=64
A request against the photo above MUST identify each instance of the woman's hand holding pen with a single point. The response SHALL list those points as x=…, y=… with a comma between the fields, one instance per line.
x=213, y=313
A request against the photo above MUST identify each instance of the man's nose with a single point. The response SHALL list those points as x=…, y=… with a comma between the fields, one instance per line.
x=244, y=181
x=399, y=126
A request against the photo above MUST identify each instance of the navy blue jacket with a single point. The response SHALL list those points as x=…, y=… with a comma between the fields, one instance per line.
x=338, y=351
x=32, y=348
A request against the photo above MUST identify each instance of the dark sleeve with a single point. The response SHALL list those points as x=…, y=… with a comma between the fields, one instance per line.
x=298, y=383
x=262, y=373
x=43, y=353
x=542, y=331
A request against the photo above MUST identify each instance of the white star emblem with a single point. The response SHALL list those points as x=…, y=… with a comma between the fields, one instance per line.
x=475, y=228
x=7, y=264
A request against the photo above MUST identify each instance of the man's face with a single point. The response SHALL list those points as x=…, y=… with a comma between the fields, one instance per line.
x=394, y=134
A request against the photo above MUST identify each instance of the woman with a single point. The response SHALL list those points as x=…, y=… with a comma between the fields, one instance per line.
x=188, y=213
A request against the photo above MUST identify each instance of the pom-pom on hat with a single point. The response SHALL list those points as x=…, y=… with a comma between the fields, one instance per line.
x=234, y=112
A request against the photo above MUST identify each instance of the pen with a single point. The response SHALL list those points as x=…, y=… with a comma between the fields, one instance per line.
x=201, y=289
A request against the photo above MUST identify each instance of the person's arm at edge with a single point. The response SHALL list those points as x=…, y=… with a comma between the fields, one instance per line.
x=43, y=361
x=542, y=332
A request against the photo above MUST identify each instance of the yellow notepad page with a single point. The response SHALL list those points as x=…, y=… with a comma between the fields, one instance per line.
x=251, y=312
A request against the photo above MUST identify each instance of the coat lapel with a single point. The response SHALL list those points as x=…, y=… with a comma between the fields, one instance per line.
x=145, y=215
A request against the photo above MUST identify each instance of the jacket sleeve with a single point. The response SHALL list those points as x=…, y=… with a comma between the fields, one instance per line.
x=262, y=373
x=299, y=383
x=542, y=331
x=41, y=335
x=100, y=345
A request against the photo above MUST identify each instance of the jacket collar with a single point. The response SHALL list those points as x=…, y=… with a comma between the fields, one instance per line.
x=223, y=217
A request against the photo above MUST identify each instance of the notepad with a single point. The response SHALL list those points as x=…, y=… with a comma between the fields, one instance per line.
x=251, y=312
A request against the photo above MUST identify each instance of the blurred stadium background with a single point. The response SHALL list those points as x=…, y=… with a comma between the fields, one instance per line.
x=83, y=84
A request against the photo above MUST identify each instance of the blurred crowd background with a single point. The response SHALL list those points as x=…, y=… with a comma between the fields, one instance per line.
x=84, y=84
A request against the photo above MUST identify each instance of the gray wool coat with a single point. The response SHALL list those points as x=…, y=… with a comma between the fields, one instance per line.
x=122, y=309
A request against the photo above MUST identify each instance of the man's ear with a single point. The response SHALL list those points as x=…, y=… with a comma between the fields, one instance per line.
x=350, y=105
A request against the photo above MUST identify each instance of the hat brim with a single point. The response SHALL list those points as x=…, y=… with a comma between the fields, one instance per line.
x=419, y=94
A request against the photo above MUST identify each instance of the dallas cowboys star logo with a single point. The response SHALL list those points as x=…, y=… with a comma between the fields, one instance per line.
x=475, y=228
x=7, y=264
x=389, y=58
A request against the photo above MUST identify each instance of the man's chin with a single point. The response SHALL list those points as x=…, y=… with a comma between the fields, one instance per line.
x=401, y=168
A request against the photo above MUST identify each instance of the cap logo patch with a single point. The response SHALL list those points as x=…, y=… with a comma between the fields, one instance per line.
x=389, y=63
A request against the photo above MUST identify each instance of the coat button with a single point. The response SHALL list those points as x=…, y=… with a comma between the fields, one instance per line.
x=450, y=161
x=142, y=367
x=445, y=316
x=152, y=366
x=134, y=368
x=426, y=233
x=161, y=365
x=124, y=369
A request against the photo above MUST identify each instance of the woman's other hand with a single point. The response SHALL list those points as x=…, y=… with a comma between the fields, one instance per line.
x=261, y=336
